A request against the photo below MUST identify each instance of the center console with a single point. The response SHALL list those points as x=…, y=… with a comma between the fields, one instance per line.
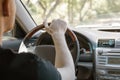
x=107, y=60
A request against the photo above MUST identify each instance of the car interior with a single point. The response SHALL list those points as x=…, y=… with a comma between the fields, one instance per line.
x=95, y=46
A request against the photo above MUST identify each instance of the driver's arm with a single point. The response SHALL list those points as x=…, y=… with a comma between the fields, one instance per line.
x=63, y=61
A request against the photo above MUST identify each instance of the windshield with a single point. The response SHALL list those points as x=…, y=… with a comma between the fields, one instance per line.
x=75, y=12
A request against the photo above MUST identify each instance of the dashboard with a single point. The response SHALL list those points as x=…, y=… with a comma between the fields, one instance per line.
x=89, y=40
x=105, y=49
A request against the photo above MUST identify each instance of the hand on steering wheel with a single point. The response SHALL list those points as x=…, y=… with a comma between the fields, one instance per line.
x=56, y=27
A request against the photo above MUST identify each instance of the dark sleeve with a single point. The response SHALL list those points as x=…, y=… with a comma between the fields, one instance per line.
x=47, y=71
x=26, y=66
x=6, y=56
x=35, y=68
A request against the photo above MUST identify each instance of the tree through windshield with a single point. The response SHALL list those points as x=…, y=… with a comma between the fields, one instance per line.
x=74, y=11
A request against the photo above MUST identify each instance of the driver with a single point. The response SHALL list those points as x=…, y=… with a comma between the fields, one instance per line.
x=28, y=66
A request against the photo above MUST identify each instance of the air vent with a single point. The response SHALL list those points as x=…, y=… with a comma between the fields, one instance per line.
x=102, y=60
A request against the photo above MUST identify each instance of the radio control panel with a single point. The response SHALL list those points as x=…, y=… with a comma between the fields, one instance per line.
x=107, y=63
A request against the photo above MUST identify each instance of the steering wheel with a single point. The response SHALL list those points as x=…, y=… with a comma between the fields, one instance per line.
x=33, y=44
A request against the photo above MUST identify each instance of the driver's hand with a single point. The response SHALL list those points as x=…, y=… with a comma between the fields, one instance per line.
x=56, y=27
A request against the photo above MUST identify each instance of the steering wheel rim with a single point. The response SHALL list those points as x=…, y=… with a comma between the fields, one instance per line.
x=39, y=27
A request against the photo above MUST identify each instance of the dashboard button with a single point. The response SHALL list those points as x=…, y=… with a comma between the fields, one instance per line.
x=100, y=52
